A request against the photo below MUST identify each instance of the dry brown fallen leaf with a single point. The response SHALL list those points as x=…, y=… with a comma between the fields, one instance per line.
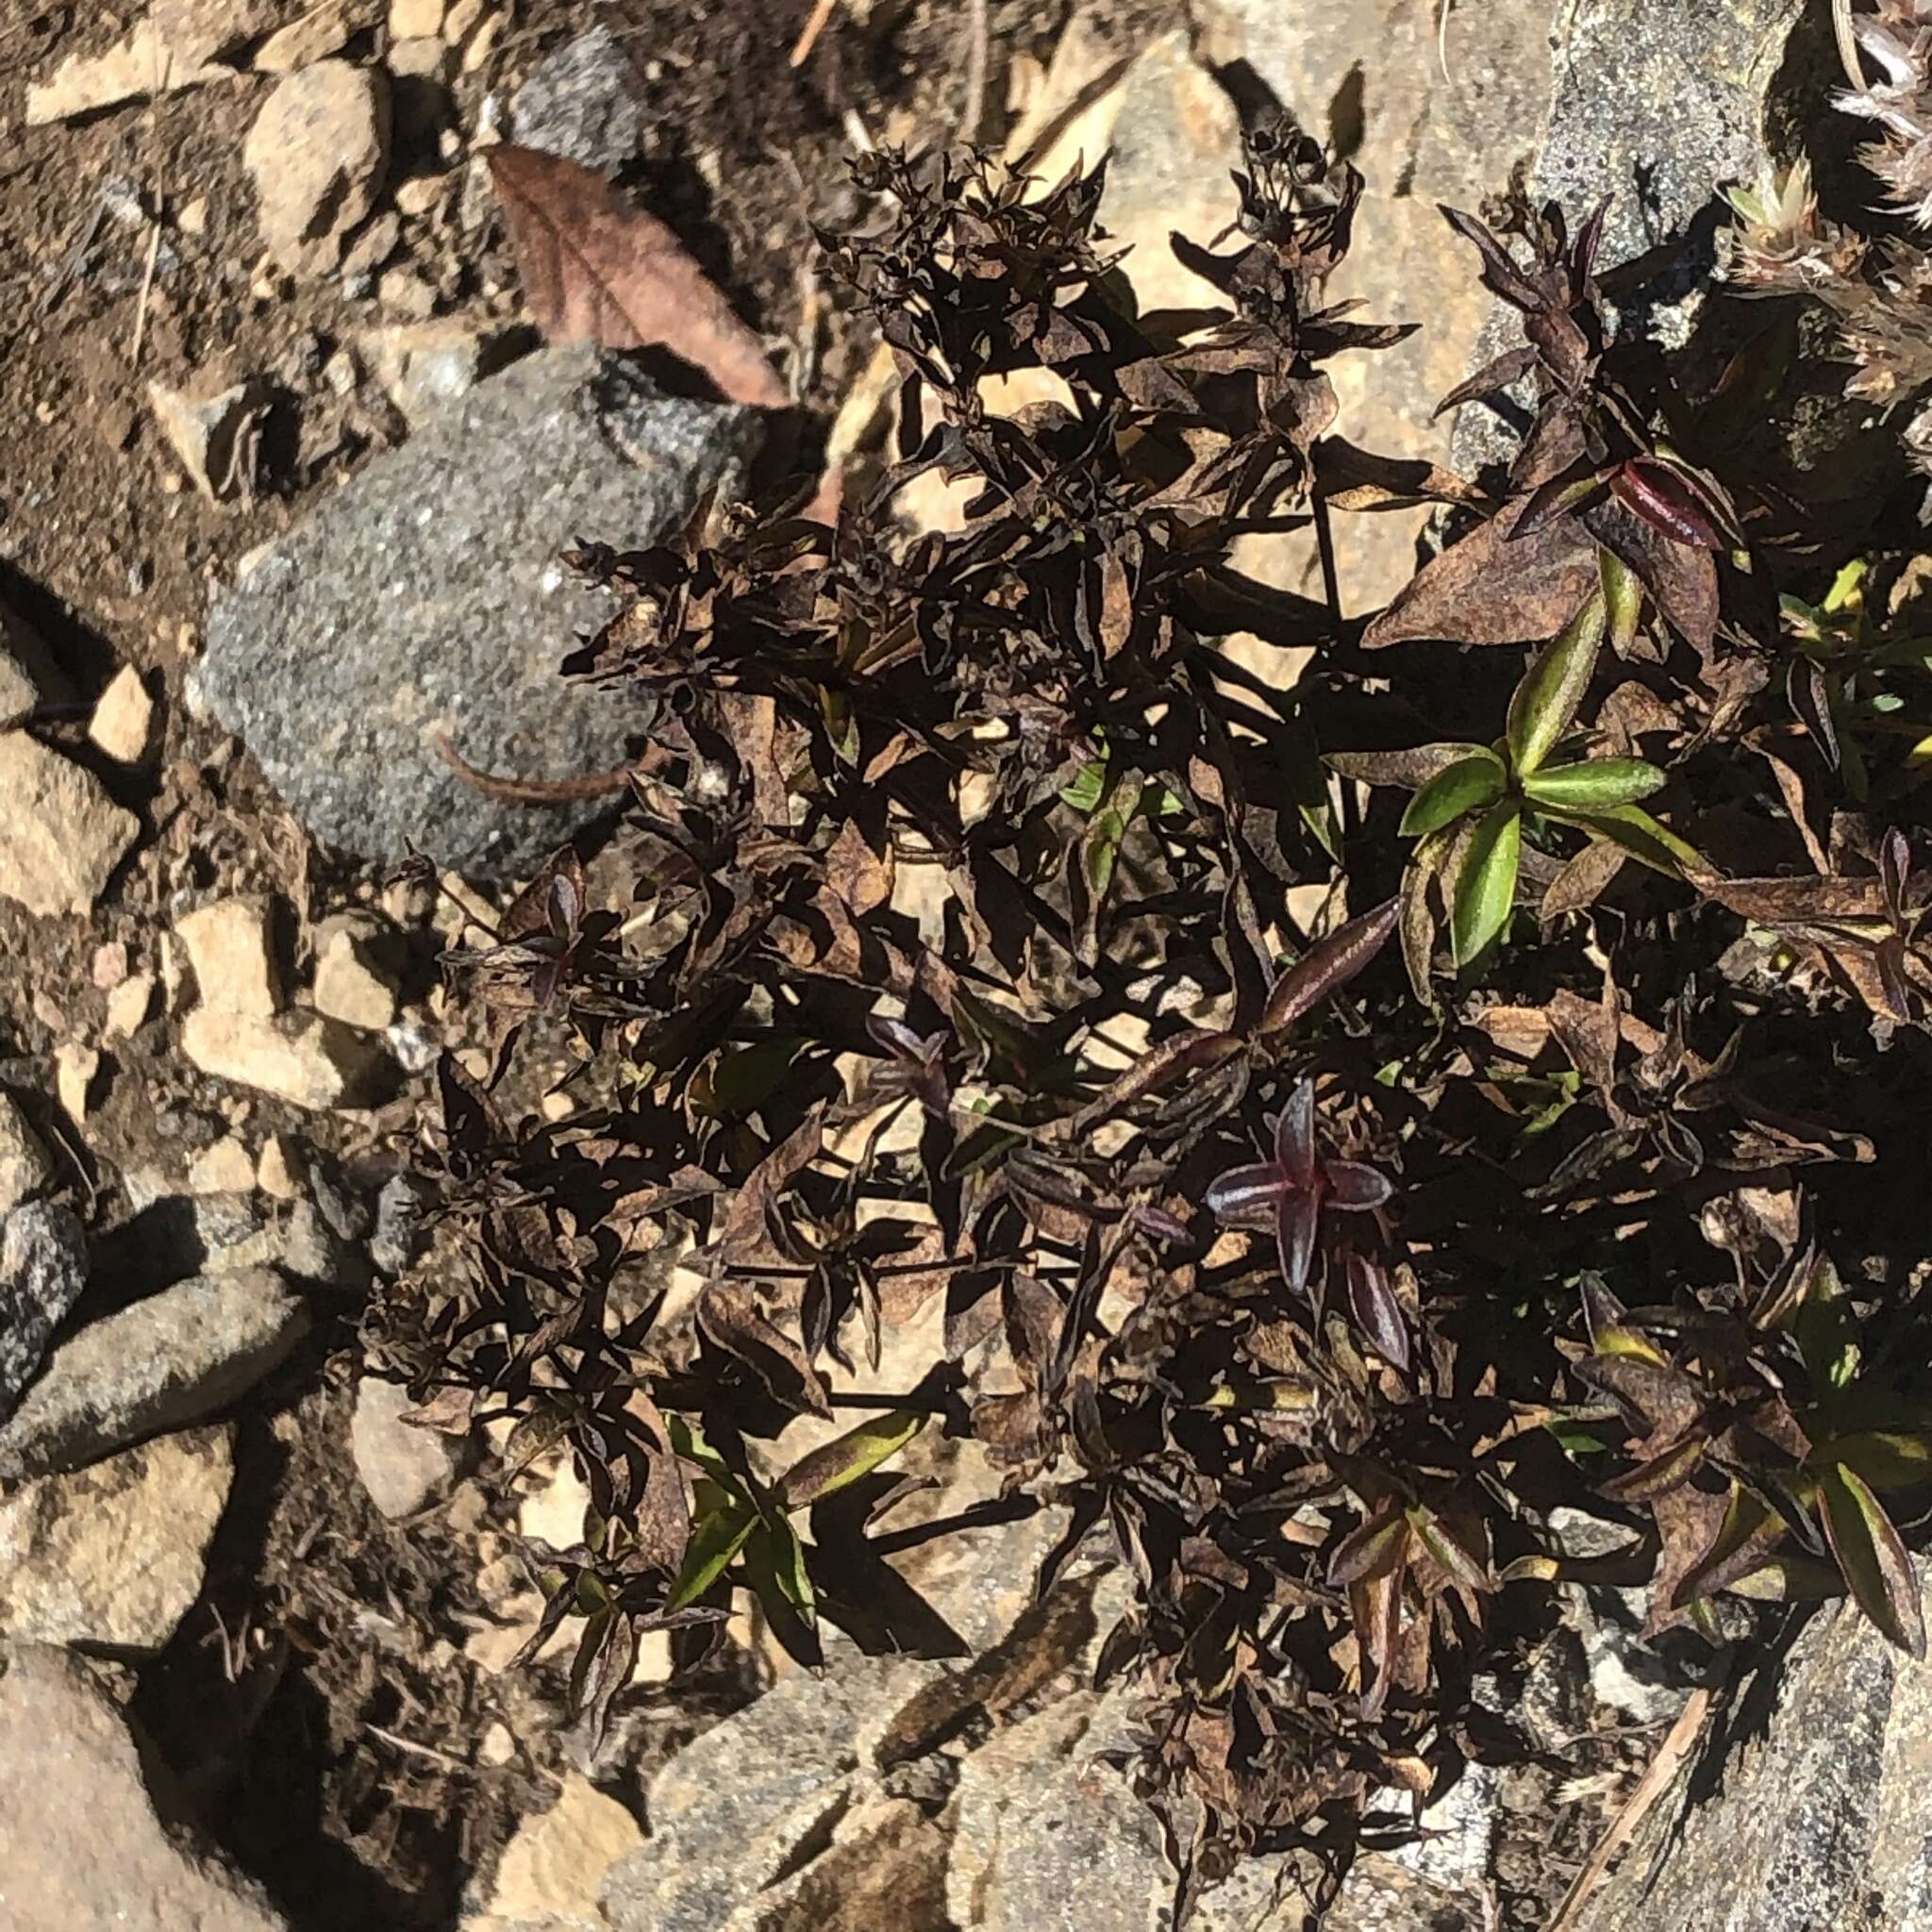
x=598, y=268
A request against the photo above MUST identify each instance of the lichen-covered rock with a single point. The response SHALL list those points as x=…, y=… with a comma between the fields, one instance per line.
x=730, y=1813
x=1659, y=108
x=583, y=102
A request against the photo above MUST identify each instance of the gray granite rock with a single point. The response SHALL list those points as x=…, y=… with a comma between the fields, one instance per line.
x=1660, y=107
x=163, y=1362
x=24, y=1168
x=401, y=1210
x=731, y=1813
x=42, y=1270
x=83, y=1846
x=1811, y=1814
x=583, y=102
x=426, y=597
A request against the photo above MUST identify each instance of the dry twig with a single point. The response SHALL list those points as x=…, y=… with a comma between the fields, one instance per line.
x=1660, y=1774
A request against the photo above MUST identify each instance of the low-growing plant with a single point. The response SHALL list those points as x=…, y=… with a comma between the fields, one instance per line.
x=968, y=967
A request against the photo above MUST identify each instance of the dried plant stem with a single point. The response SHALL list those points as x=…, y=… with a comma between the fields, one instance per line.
x=977, y=57
x=1847, y=42
x=537, y=792
x=801, y=51
x=1657, y=1779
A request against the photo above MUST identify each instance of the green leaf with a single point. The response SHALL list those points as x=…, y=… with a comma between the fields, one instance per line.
x=1469, y=785
x=1596, y=785
x=743, y=1079
x=1087, y=787
x=776, y=1558
x=1788, y=1580
x=718, y=1537
x=1887, y=1458
x=1623, y=599
x=1876, y=1568
x=1645, y=839
x=1486, y=885
x=1546, y=701
x=857, y=1451
x=687, y=1443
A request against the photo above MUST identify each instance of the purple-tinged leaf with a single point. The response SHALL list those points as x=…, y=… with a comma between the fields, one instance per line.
x=1183, y=1055
x=1327, y=967
x=1505, y=372
x=1743, y=1540
x=1462, y=1566
x=1895, y=870
x=1377, y=1607
x=1501, y=276
x=1247, y=1196
x=1294, y=1137
x=1657, y=1475
x=1376, y=1546
x=1656, y=494
x=1564, y=494
x=1353, y=1185
x=1808, y=691
x=1297, y=1225
x=1377, y=1314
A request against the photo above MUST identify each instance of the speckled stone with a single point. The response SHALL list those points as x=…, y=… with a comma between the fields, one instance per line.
x=42, y=1270
x=166, y=1361
x=730, y=1813
x=1660, y=107
x=583, y=102
x=1815, y=1812
x=425, y=596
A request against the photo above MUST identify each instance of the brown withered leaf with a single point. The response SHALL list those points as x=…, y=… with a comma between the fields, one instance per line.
x=727, y=1315
x=1494, y=587
x=861, y=877
x=1583, y=879
x=598, y=268
x=1800, y=901
x=1358, y=479
x=740, y=1232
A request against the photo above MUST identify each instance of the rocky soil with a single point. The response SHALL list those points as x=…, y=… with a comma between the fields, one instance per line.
x=286, y=475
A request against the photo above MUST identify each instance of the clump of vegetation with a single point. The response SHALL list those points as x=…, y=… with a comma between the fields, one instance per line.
x=1562, y=1147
